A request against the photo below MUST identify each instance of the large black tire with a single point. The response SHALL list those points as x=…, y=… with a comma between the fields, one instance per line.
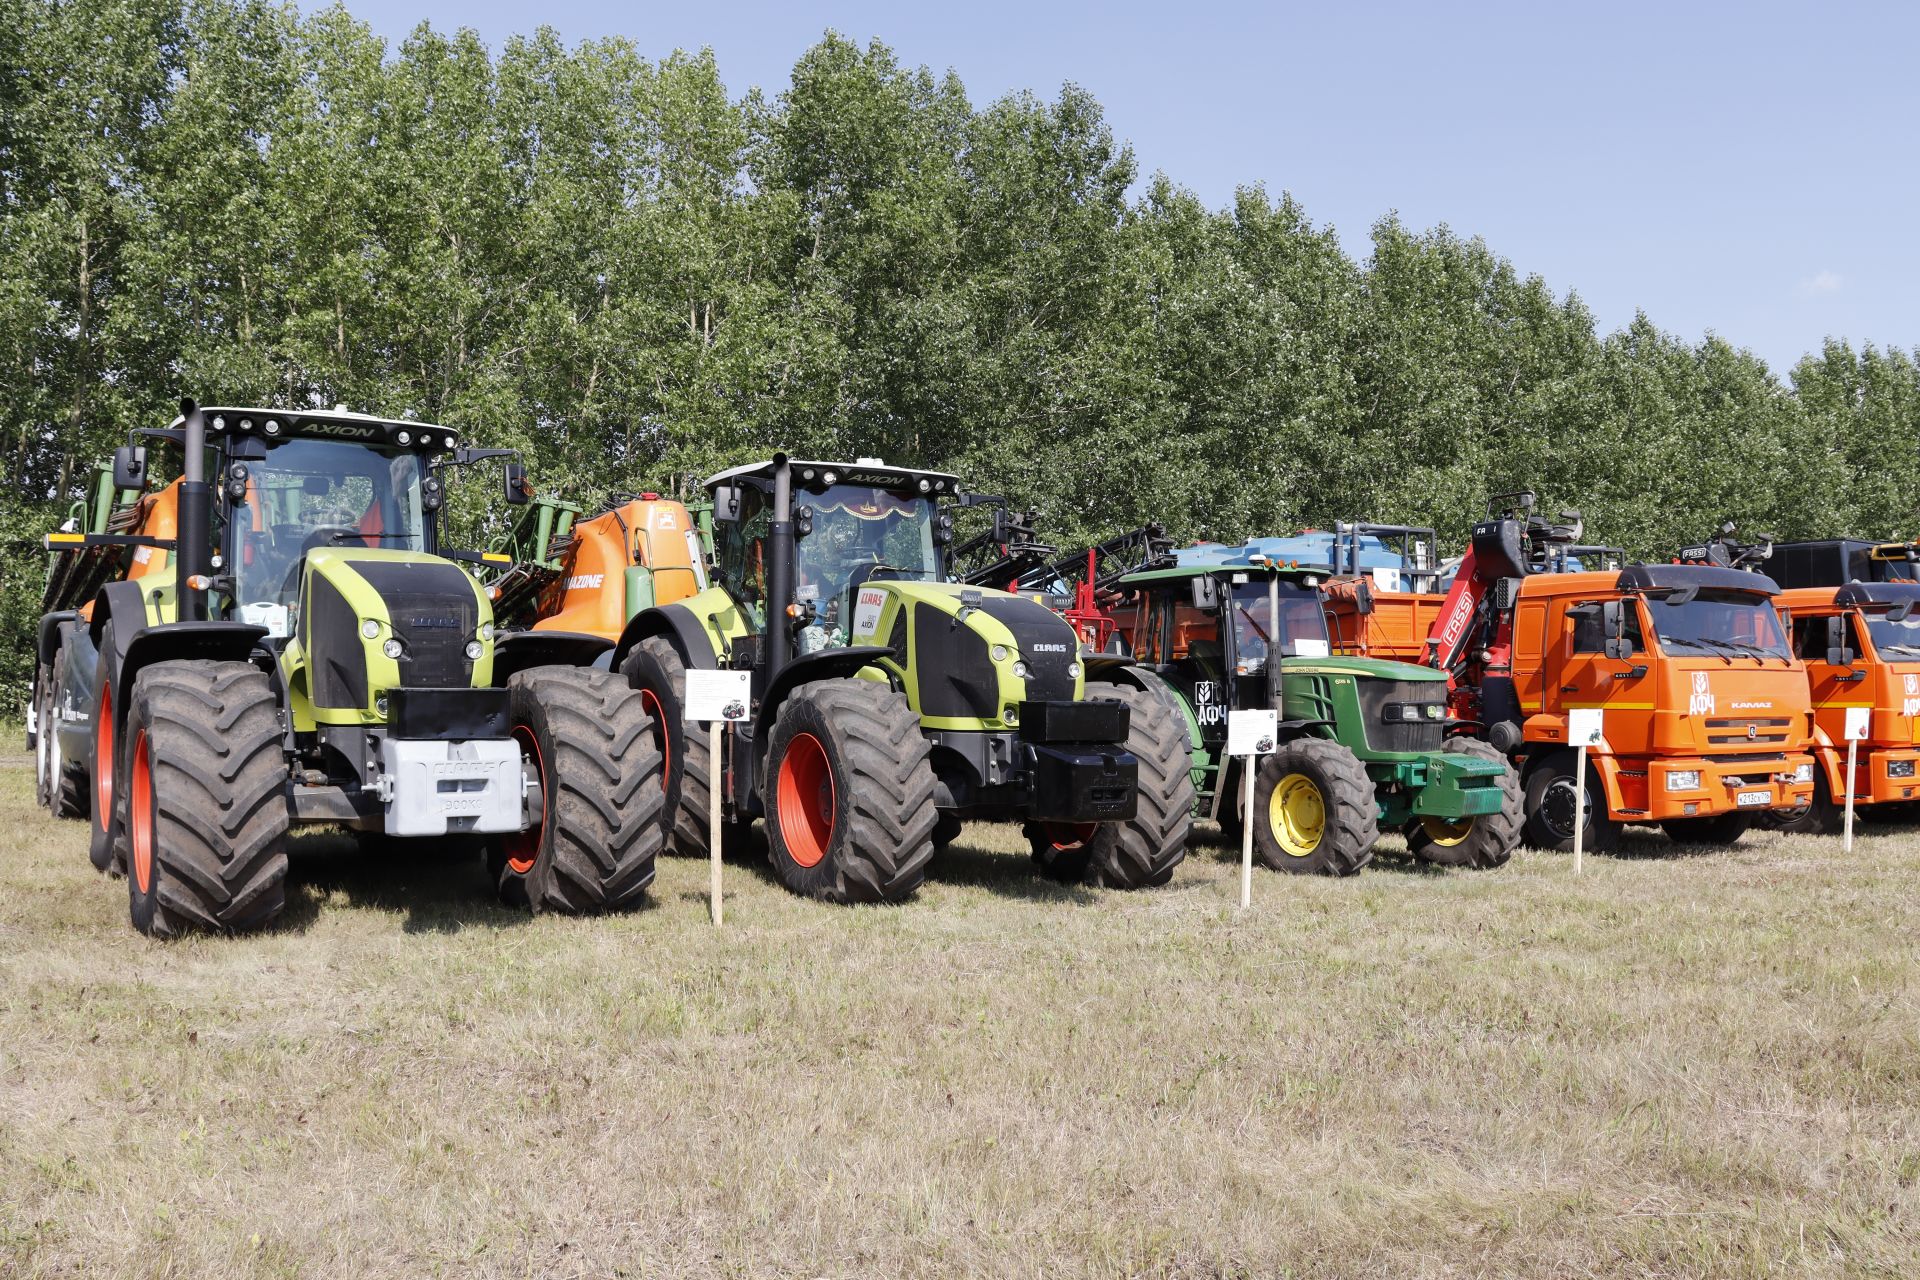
x=1822, y=816
x=1142, y=851
x=1314, y=810
x=107, y=828
x=1481, y=842
x=67, y=779
x=37, y=736
x=654, y=669
x=849, y=794
x=1550, y=805
x=603, y=796
x=1719, y=831
x=206, y=799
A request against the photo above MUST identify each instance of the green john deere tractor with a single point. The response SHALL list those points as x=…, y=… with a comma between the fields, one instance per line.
x=314, y=657
x=889, y=704
x=1363, y=742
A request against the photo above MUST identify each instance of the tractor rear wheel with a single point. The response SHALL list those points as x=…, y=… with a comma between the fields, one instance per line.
x=1483, y=841
x=1721, y=830
x=654, y=669
x=107, y=835
x=66, y=779
x=1314, y=811
x=37, y=736
x=1142, y=851
x=603, y=799
x=849, y=794
x=205, y=805
x=1550, y=807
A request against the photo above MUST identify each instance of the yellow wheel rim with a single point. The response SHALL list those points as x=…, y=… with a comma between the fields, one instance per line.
x=1297, y=813
x=1445, y=831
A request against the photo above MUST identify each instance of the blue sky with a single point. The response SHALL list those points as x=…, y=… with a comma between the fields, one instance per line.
x=1746, y=169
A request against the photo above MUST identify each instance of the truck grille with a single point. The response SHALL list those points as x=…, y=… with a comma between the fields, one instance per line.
x=1766, y=731
x=1423, y=735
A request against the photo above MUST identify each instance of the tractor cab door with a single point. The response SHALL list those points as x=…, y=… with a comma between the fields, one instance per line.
x=1189, y=651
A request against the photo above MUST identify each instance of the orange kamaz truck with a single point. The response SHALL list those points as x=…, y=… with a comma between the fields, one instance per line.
x=1706, y=713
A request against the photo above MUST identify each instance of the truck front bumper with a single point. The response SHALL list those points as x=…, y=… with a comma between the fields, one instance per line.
x=1726, y=784
x=1881, y=775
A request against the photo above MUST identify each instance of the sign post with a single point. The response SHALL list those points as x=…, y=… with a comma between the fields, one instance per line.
x=1250, y=735
x=717, y=698
x=1858, y=721
x=1583, y=730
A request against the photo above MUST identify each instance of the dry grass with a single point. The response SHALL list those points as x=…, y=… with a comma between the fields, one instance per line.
x=1674, y=1065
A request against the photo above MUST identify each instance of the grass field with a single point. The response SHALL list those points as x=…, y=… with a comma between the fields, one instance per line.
x=1679, y=1064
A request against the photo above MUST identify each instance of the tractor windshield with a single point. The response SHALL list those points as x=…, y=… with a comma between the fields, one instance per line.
x=309, y=493
x=1728, y=623
x=1898, y=641
x=1302, y=629
x=859, y=534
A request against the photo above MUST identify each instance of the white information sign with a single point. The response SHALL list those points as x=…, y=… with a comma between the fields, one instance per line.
x=1859, y=722
x=1583, y=725
x=1386, y=579
x=718, y=695
x=1252, y=733
x=1305, y=648
x=1583, y=730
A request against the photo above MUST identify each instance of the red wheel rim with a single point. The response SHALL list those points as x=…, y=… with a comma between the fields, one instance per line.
x=103, y=759
x=140, y=820
x=1070, y=835
x=652, y=706
x=523, y=847
x=806, y=800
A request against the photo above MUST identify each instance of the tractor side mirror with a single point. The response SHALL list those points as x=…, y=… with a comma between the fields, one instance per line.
x=130, y=467
x=726, y=504
x=518, y=491
x=1206, y=592
x=1839, y=652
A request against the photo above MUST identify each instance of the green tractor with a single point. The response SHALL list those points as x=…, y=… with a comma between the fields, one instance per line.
x=890, y=704
x=1363, y=743
x=315, y=657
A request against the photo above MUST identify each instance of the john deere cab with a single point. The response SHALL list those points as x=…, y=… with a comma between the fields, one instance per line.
x=315, y=657
x=1364, y=743
x=890, y=704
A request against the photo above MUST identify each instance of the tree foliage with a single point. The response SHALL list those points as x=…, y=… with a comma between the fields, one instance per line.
x=610, y=262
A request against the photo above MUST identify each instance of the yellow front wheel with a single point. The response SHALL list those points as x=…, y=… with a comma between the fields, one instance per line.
x=1298, y=815
x=1319, y=806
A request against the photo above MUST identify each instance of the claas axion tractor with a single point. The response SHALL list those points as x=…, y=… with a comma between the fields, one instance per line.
x=278, y=638
x=1706, y=717
x=889, y=704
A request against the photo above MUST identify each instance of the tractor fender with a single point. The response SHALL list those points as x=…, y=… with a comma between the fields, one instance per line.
x=681, y=628
x=49, y=638
x=142, y=644
x=1124, y=671
x=517, y=651
x=828, y=664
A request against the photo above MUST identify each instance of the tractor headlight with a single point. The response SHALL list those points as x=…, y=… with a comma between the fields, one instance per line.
x=486, y=631
x=1073, y=670
x=393, y=648
x=1020, y=668
x=999, y=652
x=1011, y=715
x=925, y=485
x=370, y=629
x=1683, y=780
x=1412, y=712
x=1895, y=769
x=403, y=437
x=474, y=650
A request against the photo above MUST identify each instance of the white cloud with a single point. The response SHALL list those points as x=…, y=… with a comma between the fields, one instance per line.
x=1824, y=282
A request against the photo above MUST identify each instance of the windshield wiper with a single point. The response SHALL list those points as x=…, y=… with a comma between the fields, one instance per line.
x=336, y=538
x=1901, y=648
x=1702, y=645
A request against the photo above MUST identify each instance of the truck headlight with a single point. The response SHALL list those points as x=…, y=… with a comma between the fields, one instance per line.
x=1899, y=768
x=1683, y=780
x=1805, y=772
x=370, y=629
x=474, y=650
x=393, y=648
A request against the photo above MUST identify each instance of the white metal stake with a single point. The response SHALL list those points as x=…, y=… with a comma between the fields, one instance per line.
x=1579, y=805
x=1846, y=841
x=1246, y=835
x=715, y=778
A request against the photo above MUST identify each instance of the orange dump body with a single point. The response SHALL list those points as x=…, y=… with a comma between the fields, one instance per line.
x=1885, y=685
x=1742, y=723
x=642, y=553
x=156, y=515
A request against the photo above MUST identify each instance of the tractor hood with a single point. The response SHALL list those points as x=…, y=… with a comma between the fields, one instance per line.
x=1364, y=668
x=422, y=613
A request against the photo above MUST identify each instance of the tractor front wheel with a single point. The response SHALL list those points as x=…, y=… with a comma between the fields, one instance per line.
x=656, y=672
x=1314, y=811
x=591, y=847
x=1719, y=831
x=1482, y=841
x=1142, y=851
x=849, y=794
x=66, y=779
x=205, y=805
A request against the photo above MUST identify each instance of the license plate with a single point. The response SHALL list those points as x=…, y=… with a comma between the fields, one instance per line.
x=1753, y=799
